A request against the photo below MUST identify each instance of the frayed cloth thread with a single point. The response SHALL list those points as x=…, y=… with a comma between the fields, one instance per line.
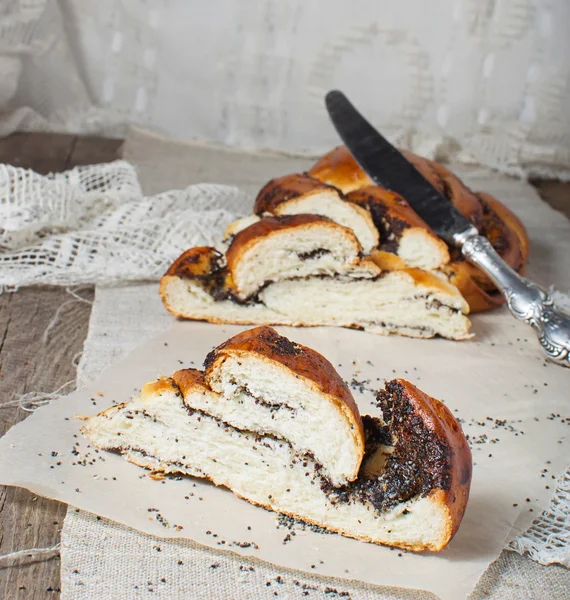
x=29, y=555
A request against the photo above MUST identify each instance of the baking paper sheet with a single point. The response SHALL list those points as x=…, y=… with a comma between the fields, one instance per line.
x=513, y=404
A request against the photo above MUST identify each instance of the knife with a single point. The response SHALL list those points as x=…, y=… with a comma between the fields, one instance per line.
x=388, y=168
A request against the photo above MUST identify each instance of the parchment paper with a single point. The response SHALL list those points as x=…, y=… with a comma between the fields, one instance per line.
x=513, y=405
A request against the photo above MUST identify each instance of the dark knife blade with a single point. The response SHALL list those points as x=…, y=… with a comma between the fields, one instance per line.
x=387, y=167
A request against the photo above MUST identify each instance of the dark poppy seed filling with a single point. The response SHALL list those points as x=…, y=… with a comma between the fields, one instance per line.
x=313, y=254
x=267, y=440
x=403, y=459
x=416, y=461
x=173, y=464
x=272, y=406
x=390, y=228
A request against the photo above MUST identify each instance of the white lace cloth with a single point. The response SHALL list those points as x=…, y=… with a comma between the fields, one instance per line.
x=469, y=80
x=93, y=225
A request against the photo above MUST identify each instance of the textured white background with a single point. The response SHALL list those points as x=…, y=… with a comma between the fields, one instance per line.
x=483, y=80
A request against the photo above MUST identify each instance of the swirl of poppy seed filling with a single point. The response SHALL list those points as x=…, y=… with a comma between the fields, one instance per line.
x=215, y=285
x=416, y=462
x=313, y=254
x=413, y=460
x=391, y=228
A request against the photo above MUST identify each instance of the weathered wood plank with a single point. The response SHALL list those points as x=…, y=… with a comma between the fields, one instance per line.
x=27, y=364
x=89, y=150
x=556, y=193
x=42, y=152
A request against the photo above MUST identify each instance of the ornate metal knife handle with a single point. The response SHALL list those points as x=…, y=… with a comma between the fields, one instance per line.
x=526, y=301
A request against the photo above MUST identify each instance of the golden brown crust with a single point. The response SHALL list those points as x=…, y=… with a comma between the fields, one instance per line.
x=195, y=262
x=303, y=361
x=439, y=420
x=187, y=380
x=159, y=386
x=108, y=412
x=282, y=189
x=390, y=203
x=491, y=217
x=269, y=225
x=339, y=169
x=387, y=261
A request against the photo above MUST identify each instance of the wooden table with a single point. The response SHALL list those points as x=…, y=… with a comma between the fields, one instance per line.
x=26, y=520
x=27, y=364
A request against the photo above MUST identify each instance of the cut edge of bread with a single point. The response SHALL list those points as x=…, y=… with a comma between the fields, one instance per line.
x=259, y=363
x=339, y=302
x=299, y=193
x=426, y=521
x=284, y=247
x=402, y=231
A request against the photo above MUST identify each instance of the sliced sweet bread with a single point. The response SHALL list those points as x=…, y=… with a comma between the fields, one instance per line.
x=305, y=270
x=290, y=247
x=493, y=219
x=409, y=489
x=402, y=231
x=302, y=194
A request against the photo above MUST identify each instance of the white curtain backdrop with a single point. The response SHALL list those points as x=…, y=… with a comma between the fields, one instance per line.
x=485, y=81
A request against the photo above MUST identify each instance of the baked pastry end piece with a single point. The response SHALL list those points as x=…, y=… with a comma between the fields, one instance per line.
x=431, y=453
